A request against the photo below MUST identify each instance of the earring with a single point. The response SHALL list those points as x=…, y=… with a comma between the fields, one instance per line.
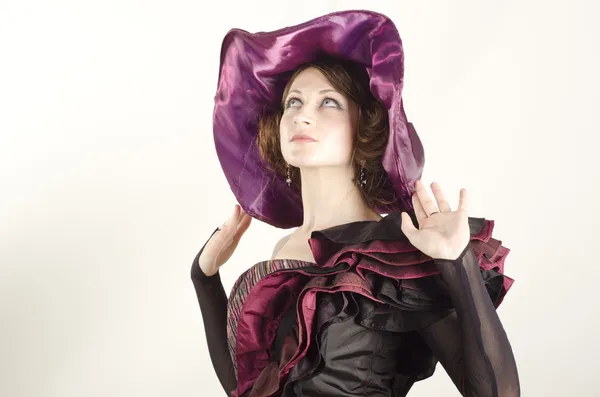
x=362, y=181
x=289, y=179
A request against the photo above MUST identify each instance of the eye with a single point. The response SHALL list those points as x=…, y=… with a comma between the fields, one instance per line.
x=292, y=101
x=330, y=102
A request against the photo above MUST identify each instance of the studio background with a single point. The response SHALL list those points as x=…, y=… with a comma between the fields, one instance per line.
x=110, y=182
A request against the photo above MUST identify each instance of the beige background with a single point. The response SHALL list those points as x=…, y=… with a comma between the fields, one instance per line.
x=110, y=183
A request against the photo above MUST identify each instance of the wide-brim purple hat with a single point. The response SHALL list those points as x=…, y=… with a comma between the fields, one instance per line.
x=254, y=70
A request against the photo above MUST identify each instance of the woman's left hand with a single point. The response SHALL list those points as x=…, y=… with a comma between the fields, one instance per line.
x=442, y=233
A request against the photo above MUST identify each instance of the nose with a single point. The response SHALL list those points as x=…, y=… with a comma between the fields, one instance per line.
x=301, y=119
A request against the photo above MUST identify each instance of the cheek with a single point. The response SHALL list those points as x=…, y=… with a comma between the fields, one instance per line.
x=342, y=128
x=284, y=124
x=340, y=140
x=284, y=129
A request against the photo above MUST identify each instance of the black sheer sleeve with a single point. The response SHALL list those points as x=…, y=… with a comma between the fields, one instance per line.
x=471, y=343
x=213, y=306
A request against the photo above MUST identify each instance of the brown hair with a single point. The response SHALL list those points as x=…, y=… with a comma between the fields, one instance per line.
x=371, y=137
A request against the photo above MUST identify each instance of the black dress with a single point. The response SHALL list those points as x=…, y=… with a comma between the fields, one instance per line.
x=371, y=317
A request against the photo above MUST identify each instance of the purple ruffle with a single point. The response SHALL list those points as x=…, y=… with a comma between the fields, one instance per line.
x=371, y=259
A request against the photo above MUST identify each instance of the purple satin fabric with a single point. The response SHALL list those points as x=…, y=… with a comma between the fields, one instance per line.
x=253, y=72
x=371, y=259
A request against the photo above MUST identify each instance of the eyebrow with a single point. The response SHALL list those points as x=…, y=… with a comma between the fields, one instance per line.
x=320, y=92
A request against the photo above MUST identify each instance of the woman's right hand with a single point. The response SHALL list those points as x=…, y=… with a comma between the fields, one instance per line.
x=223, y=243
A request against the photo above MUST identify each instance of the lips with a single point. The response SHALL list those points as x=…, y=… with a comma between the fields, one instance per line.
x=302, y=138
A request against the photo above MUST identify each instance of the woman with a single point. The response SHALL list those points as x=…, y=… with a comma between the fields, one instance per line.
x=351, y=303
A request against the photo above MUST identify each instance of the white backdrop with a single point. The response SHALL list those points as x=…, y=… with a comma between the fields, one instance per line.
x=110, y=183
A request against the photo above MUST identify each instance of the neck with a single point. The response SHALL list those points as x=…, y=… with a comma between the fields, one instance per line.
x=331, y=198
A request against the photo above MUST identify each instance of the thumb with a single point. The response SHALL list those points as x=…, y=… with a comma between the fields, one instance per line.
x=242, y=226
x=407, y=226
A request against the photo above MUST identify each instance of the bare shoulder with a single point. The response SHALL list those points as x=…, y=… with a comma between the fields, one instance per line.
x=280, y=244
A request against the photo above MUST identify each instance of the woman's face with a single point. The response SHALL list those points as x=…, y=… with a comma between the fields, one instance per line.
x=318, y=124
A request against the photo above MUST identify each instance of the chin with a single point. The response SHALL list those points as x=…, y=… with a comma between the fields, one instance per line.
x=311, y=158
x=300, y=162
x=303, y=162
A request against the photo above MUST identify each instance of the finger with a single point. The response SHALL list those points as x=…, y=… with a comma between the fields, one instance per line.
x=407, y=226
x=243, y=226
x=235, y=217
x=419, y=211
x=426, y=201
x=229, y=227
x=442, y=203
x=242, y=217
x=463, y=200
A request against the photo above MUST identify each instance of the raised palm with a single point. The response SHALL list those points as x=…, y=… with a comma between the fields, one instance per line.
x=223, y=243
x=441, y=233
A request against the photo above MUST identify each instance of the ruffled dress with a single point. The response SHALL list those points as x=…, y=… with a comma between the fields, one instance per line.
x=370, y=317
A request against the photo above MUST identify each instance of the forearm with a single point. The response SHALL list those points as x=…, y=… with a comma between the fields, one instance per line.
x=213, y=306
x=489, y=367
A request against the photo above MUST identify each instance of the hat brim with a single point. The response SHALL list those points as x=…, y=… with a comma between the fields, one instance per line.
x=254, y=70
